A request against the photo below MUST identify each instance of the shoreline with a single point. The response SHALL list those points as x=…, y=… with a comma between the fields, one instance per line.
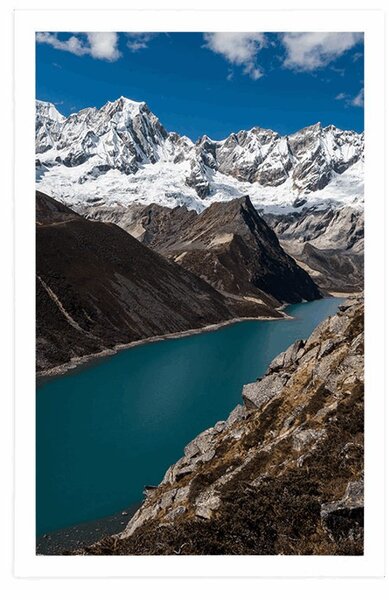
x=345, y=294
x=69, y=539
x=78, y=362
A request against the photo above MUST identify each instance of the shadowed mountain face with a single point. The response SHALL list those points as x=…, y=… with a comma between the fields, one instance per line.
x=48, y=211
x=238, y=253
x=228, y=244
x=97, y=286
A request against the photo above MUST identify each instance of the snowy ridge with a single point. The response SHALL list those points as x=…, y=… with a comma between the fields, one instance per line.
x=121, y=153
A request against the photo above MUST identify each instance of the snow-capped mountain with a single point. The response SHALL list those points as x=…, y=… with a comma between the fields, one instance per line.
x=121, y=153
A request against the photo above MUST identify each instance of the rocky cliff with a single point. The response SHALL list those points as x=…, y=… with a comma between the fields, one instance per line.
x=283, y=474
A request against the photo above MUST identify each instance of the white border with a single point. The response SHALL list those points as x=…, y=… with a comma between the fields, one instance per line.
x=26, y=563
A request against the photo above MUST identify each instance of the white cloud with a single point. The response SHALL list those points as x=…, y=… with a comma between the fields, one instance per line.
x=310, y=51
x=359, y=99
x=72, y=44
x=238, y=49
x=103, y=46
x=139, y=41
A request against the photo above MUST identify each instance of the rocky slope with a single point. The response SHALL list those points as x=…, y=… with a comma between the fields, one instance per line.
x=328, y=243
x=121, y=153
x=230, y=246
x=325, y=229
x=155, y=225
x=97, y=287
x=283, y=474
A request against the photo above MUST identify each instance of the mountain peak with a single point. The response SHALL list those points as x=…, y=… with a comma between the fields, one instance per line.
x=262, y=130
x=231, y=247
x=314, y=128
x=126, y=105
x=242, y=202
x=48, y=110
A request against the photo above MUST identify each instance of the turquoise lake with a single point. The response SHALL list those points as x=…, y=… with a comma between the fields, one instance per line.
x=106, y=431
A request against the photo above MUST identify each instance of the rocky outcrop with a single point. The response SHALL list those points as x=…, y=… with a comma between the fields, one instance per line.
x=283, y=474
x=345, y=517
x=98, y=287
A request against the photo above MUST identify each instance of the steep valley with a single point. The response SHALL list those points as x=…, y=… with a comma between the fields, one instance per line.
x=109, y=163
x=98, y=287
x=143, y=234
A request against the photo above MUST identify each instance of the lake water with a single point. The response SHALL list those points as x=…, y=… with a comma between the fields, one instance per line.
x=106, y=431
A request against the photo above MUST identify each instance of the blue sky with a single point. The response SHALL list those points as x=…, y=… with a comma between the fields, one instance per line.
x=212, y=83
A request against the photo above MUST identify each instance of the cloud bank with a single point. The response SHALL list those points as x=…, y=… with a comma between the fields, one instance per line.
x=297, y=51
x=102, y=46
x=311, y=51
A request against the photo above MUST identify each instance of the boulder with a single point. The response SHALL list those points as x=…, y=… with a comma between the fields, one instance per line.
x=344, y=518
x=257, y=393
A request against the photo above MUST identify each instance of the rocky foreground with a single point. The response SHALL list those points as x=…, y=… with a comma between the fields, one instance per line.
x=283, y=474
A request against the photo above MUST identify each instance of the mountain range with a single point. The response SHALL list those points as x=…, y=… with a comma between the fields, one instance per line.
x=110, y=163
x=121, y=153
